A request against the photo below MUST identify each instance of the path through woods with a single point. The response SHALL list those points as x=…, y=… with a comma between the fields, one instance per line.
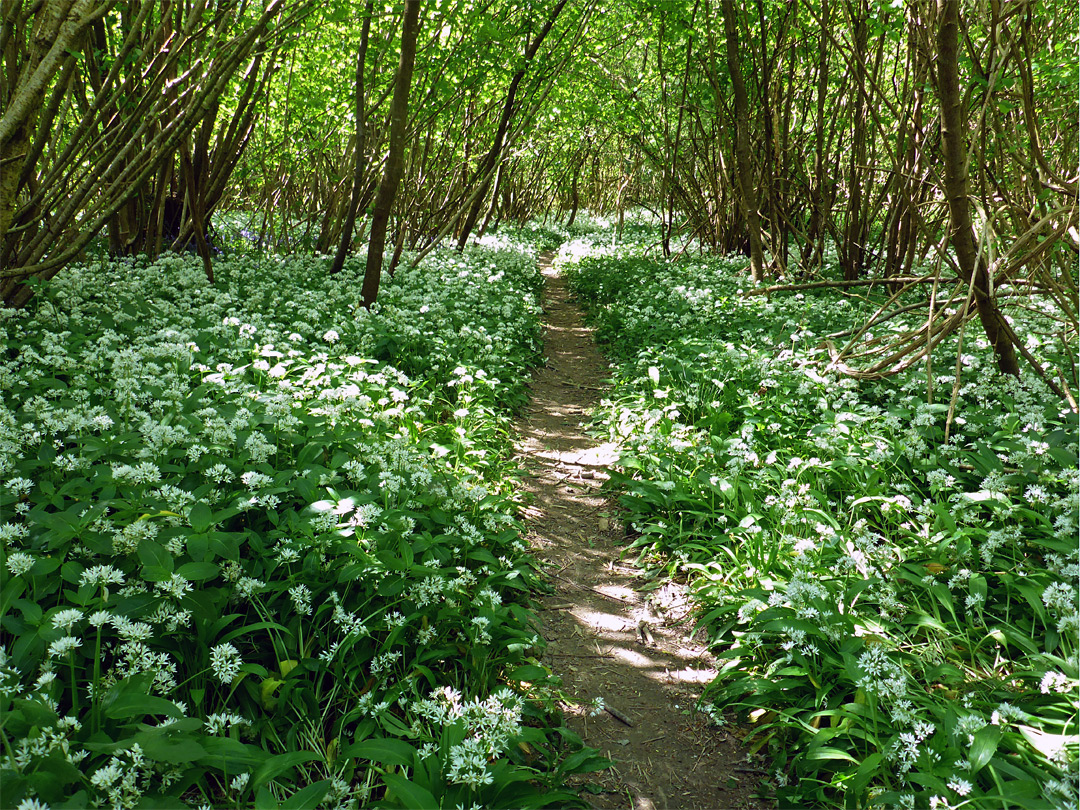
x=607, y=637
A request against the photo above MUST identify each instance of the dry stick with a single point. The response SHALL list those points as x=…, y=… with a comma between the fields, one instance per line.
x=581, y=655
x=594, y=590
x=913, y=341
x=883, y=308
x=1065, y=388
x=817, y=285
x=622, y=718
x=896, y=363
x=896, y=313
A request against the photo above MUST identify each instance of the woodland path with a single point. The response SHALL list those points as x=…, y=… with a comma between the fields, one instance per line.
x=607, y=637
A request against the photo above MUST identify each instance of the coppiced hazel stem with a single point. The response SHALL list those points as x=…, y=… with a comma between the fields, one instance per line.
x=399, y=114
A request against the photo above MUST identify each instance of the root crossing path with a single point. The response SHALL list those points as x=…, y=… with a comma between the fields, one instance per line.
x=608, y=638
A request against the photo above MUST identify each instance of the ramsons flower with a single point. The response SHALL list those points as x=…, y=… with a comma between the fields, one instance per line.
x=19, y=563
x=101, y=575
x=225, y=661
x=62, y=646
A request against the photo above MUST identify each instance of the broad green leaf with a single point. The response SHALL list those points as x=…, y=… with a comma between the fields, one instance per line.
x=411, y=795
x=384, y=750
x=984, y=747
x=528, y=672
x=161, y=746
x=308, y=798
x=201, y=517
x=277, y=765
x=133, y=704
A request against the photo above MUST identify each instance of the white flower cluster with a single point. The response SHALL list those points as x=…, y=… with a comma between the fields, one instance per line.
x=490, y=725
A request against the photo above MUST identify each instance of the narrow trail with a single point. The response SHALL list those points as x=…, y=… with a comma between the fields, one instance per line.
x=607, y=637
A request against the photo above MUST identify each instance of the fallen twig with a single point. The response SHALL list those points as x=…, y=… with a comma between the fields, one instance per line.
x=594, y=590
x=622, y=718
x=581, y=655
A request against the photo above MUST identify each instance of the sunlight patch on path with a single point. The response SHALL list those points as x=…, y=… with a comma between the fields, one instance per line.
x=610, y=640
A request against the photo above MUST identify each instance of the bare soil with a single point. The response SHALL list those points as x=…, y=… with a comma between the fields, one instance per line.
x=608, y=636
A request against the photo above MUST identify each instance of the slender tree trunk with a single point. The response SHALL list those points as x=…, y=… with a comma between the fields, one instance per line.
x=194, y=198
x=742, y=143
x=853, y=249
x=494, y=205
x=816, y=235
x=399, y=114
x=358, y=162
x=575, y=195
x=485, y=170
x=954, y=145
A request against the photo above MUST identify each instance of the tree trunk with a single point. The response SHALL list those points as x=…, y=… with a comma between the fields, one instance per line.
x=954, y=145
x=853, y=249
x=358, y=163
x=748, y=196
x=486, y=168
x=575, y=195
x=399, y=114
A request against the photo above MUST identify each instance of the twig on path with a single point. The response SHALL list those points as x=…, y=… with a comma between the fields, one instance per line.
x=588, y=387
x=594, y=590
x=580, y=655
x=622, y=718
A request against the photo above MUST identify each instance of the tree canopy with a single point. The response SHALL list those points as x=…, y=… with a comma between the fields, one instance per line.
x=925, y=142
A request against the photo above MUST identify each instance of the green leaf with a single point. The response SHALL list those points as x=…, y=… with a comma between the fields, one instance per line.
x=308, y=798
x=232, y=755
x=984, y=747
x=264, y=800
x=35, y=713
x=827, y=752
x=528, y=672
x=161, y=747
x=198, y=571
x=1049, y=745
x=410, y=794
x=866, y=772
x=133, y=704
x=384, y=750
x=154, y=557
x=583, y=761
x=277, y=765
x=201, y=517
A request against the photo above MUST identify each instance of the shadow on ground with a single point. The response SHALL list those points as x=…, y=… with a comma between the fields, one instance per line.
x=609, y=638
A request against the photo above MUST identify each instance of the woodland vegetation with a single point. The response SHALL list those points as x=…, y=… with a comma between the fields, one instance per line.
x=270, y=300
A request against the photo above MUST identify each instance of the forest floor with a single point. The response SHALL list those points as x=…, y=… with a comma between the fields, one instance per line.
x=611, y=634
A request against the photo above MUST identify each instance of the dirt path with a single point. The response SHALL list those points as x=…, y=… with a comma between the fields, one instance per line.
x=607, y=638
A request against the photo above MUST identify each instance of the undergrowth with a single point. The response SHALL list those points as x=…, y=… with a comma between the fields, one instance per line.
x=895, y=613
x=260, y=545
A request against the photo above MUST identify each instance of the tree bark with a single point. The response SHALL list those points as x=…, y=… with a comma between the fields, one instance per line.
x=853, y=248
x=358, y=163
x=748, y=196
x=971, y=261
x=399, y=115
